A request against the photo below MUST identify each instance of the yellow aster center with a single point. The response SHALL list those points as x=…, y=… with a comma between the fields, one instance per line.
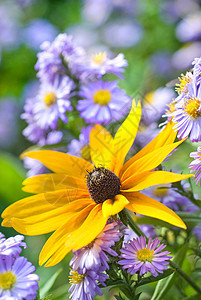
x=85, y=153
x=149, y=97
x=7, y=280
x=50, y=98
x=99, y=58
x=160, y=192
x=171, y=108
x=192, y=107
x=145, y=254
x=102, y=97
x=75, y=277
x=184, y=79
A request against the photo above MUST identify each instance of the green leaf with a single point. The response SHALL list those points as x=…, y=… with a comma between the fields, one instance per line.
x=150, y=279
x=190, y=219
x=119, y=297
x=12, y=174
x=165, y=284
x=49, y=283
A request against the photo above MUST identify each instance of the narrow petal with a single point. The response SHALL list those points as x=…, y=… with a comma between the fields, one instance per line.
x=59, y=162
x=147, y=179
x=101, y=143
x=150, y=161
x=50, y=220
x=64, y=240
x=41, y=203
x=52, y=182
x=147, y=206
x=57, y=240
x=125, y=136
x=113, y=206
x=165, y=137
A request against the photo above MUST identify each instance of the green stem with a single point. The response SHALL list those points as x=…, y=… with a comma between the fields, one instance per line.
x=139, y=232
x=185, y=276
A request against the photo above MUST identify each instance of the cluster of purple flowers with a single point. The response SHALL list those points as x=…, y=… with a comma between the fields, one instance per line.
x=70, y=79
x=90, y=263
x=185, y=110
x=17, y=280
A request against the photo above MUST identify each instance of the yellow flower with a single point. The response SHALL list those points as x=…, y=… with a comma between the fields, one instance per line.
x=78, y=198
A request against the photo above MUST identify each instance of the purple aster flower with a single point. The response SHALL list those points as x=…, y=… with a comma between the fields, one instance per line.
x=17, y=280
x=187, y=114
x=103, y=102
x=195, y=165
x=130, y=234
x=197, y=232
x=84, y=285
x=146, y=134
x=160, y=64
x=34, y=167
x=38, y=31
x=99, y=65
x=50, y=104
x=81, y=147
x=139, y=256
x=11, y=246
x=90, y=9
x=62, y=49
x=93, y=255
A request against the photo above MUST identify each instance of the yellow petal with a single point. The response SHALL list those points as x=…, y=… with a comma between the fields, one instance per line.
x=60, y=162
x=41, y=203
x=113, y=206
x=52, y=182
x=101, y=146
x=50, y=220
x=125, y=136
x=165, y=137
x=57, y=240
x=147, y=206
x=149, y=161
x=147, y=179
x=66, y=240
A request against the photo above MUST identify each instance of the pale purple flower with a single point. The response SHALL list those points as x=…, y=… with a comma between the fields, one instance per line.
x=50, y=104
x=195, y=165
x=147, y=229
x=187, y=114
x=90, y=9
x=11, y=246
x=103, y=102
x=84, y=285
x=93, y=256
x=59, y=57
x=81, y=147
x=34, y=167
x=100, y=64
x=144, y=257
x=17, y=280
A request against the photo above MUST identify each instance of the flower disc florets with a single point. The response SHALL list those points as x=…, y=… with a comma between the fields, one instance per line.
x=103, y=184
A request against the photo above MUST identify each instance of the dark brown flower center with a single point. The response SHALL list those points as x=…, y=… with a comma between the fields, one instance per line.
x=103, y=184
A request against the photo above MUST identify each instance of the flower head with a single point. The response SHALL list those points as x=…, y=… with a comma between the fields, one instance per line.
x=195, y=165
x=139, y=256
x=187, y=114
x=17, y=280
x=77, y=200
x=84, y=285
x=11, y=246
x=93, y=255
x=103, y=102
x=50, y=104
